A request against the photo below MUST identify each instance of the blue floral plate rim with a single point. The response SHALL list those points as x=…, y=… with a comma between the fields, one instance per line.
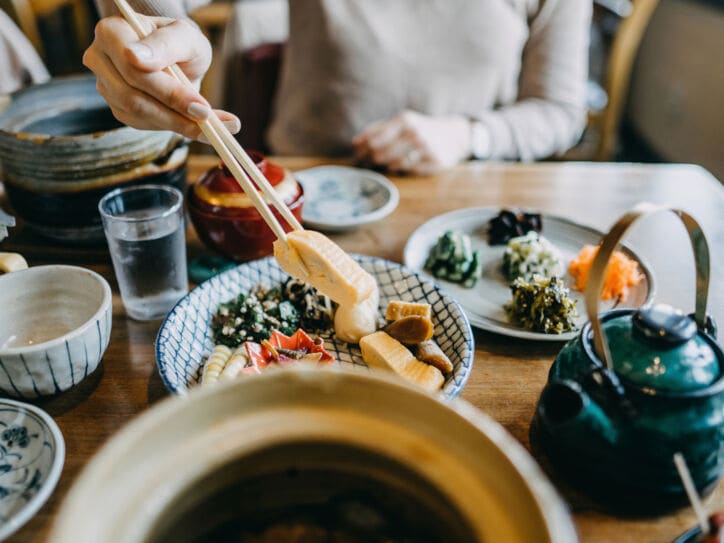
x=317, y=173
x=50, y=481
x=450, y=390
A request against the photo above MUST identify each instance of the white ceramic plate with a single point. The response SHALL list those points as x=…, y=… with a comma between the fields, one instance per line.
x=483, y=304
x=184, y=340
x=339, y=197
x=32, y=453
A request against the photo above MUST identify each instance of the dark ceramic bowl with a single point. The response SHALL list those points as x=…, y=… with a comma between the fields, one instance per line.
x=223, y=214
x=61, y=150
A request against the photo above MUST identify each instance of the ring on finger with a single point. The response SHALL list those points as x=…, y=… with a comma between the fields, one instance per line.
x=413, y=156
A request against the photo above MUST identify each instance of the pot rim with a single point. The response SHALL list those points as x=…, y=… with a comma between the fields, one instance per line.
x=104, y=306
x=544, y=498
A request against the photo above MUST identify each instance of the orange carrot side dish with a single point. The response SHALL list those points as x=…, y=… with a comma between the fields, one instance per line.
x=622, y=273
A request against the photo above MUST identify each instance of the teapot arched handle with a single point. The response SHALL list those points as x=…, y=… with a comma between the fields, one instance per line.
x=608, y=245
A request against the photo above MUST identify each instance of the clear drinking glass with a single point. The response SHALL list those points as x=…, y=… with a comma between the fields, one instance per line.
x=145, y=229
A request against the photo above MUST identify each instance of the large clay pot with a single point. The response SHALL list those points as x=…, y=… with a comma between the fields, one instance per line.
x=363, y=452
x=61, y=150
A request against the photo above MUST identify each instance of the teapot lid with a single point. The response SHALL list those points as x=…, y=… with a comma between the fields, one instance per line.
x=660, y=348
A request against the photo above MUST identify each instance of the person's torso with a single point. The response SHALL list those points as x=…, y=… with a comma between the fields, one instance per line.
x=351, y=62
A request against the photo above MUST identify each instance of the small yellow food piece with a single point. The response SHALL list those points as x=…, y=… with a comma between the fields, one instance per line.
x=381, y=351
x=411, y=329
x=431, y=353
x=215, y=364
x=398, y=309
x=352, y=323
x=317, y=260
x=236, y=363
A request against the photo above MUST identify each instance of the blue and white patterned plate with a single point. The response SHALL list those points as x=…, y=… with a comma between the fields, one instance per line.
x=184, y=339
x=32, y=453
x=339, y=197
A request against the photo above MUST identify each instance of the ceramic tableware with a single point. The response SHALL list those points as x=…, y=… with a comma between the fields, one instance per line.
x=55, y=325
x=484, y=303
x=32, y=452
x=365, y=451
x=340, y=198
x=61, y=150
x=634, y=388
x=226, y=220
x=184, y=340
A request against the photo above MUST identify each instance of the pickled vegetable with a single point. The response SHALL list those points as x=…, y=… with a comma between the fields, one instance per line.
x=453, y=259
x=531, y=255
x=542, y=305
x=509, y=224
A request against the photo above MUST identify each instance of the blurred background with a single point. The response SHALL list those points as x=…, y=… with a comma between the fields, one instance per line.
x=656, y=85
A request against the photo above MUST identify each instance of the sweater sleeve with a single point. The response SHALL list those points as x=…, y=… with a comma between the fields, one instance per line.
x=549, y=114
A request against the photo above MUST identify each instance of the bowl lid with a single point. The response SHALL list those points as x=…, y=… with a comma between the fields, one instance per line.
x=661, y=348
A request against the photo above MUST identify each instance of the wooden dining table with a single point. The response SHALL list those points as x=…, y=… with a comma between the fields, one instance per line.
x=508, y=373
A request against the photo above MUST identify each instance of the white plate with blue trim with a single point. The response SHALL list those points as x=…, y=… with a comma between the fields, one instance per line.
x=484, y=303
x=184, y=340
x=339, y=197
x=32, y=453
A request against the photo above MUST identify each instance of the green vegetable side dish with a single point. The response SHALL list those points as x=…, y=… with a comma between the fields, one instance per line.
x=531, y=255
x=252, y=316
x=453, y=259
x=542, y=304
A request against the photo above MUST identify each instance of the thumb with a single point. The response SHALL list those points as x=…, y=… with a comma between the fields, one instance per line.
x=177, y=42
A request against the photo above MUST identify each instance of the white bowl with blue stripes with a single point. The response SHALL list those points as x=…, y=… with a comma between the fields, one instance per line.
x=184, y=340
x=55, y=323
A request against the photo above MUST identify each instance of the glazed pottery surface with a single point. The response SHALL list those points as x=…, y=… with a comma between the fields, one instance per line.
x=220, y=436
x=634, y=388
x=224, y=217
x=55, y=325
x=341, y=198
x=185, y=339
x=61, y=150
x=32, y=452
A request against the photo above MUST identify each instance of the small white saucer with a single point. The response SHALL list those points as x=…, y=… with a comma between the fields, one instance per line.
x=32, y=453
x=339, y=197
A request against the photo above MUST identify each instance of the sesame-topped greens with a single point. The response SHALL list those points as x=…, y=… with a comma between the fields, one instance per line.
x=252, y=316
x=542, y=304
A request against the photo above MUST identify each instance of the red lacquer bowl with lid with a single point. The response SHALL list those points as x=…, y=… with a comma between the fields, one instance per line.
x=225, y=218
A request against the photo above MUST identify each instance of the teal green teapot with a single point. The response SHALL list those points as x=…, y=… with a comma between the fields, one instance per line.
x=635, y=387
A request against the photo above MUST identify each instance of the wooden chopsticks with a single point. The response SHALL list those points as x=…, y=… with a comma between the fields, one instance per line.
x=231, y=153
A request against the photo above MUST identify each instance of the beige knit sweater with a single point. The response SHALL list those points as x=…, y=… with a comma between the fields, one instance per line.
x=519, y=66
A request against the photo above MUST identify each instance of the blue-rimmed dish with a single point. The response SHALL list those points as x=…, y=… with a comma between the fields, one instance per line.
x=32, y=453
x=184, y=339
x=340, y=197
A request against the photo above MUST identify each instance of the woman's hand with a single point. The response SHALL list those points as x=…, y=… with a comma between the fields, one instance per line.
x=130, y=76
x=415, y=143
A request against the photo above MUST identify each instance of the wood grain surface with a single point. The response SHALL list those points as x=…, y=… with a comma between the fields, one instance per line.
x=508, y=374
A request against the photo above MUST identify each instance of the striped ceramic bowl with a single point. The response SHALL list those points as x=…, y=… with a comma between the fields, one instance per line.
x=55, y=325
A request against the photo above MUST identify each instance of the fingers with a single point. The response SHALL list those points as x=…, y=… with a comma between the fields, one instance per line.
x=174, y=42
x=114, y=37
x=372, y=141
x=136, y=108
x=129, y=76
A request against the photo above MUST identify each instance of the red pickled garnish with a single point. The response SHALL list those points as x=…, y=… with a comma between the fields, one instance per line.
x=299, y=341
x=259, y=357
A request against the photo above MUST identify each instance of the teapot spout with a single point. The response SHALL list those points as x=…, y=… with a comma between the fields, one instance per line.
x=567, y=413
